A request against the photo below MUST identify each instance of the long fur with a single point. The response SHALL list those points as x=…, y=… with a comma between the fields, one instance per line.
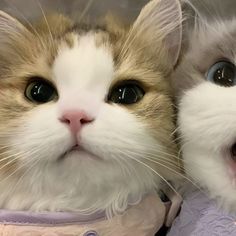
x=126, y=151
x=206, y=110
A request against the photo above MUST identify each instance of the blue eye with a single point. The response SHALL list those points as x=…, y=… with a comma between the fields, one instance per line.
x=222, y=73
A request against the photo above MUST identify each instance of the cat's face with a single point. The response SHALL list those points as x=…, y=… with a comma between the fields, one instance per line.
x=85, y=112
x=207, y=111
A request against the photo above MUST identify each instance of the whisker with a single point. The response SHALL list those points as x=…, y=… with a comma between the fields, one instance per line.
x=155, y=172
x=158, y=158
x=13, y=188
x=185, y=143
x=155, y=156
x=19, y=155
x=46, y=21
x=162, y=164
x=177, y=173
x=10, y=157
x=154, y=152
x=176, y=130
x=86, y=9
x=17, y=169
x=143, y=149
x=10, y=162
x=178, y=138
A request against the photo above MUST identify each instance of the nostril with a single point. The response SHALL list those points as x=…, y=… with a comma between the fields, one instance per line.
x=233, y=152
x=85, y=120
x=65, y=120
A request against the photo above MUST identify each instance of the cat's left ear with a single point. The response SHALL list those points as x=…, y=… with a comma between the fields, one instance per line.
x=15, y=41
x=160, y=24
x=10, y=28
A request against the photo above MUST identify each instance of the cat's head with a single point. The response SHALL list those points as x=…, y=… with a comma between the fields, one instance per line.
x=86, y=116
x=205, y=87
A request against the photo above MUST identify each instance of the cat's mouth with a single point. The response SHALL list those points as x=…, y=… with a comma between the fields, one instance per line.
x=231, y=162
x=77, y=151
x=76, y=148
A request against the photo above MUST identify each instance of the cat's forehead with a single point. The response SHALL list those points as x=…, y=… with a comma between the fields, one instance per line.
x=212, y=42
x=85, y=62
x=209, y=43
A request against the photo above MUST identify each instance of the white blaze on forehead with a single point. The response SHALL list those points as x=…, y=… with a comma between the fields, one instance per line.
x=83, y=73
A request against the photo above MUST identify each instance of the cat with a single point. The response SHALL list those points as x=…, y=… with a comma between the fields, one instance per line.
x=204, y=83
x=86, y=116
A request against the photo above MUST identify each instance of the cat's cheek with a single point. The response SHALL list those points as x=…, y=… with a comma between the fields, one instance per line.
x=116, y=131
x=208, y=131
x=206, y=117
x=40, y=135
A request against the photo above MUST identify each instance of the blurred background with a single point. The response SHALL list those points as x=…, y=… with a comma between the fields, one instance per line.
x=128, y=9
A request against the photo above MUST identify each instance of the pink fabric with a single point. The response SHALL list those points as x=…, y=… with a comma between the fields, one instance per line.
x=143, y=219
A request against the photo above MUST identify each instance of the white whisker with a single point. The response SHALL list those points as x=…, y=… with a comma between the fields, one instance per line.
x=21, y=178
x=46, y=21
x=155, y=172
x=86, y=9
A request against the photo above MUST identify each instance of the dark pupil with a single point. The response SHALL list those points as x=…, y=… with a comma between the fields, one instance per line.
x=225, y=76
x=126, y=95
x=41, y=92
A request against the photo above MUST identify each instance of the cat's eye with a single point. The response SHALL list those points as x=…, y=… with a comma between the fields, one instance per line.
x=40, y=91
x=128, y=93
x=222, y=73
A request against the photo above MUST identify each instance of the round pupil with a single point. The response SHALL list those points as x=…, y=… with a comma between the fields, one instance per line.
x=126, y=94
x=225, y=75
x=42, y=92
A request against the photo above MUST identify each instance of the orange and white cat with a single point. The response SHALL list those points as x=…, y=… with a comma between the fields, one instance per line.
x=86, y=114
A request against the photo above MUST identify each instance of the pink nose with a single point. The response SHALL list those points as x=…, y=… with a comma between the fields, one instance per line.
x=75, y=119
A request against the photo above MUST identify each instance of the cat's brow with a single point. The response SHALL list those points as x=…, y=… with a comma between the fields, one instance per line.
x=85, y=28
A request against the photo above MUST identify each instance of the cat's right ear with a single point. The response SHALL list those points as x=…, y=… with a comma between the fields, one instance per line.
x=192, y=15
x=10, y=28
x=159, y=25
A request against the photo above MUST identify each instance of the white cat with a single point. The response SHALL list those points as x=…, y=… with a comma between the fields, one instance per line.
x=204, y=82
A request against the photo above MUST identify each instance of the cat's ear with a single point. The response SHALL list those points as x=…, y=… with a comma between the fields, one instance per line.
x=10, y=28
x=15, y=39
x=160, y=23
x=193, y=18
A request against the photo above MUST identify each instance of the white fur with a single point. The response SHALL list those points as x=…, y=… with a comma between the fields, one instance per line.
x=83, y=74
x=208, y=129
x=207, y=111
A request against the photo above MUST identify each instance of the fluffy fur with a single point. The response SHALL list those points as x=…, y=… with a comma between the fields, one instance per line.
x=125, y=150
x=207, y=112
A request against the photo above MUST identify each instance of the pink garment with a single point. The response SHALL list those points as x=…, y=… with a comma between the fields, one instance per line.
x=144, y=219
